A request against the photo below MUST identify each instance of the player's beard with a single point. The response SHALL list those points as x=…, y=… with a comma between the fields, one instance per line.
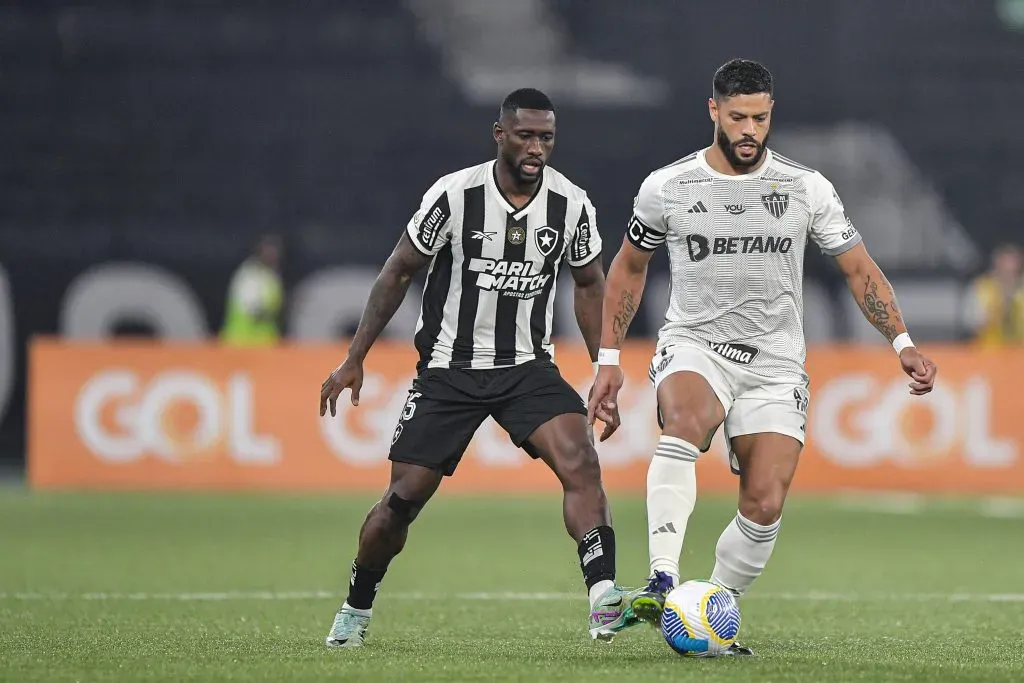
x=516, y=170
x=729, y=150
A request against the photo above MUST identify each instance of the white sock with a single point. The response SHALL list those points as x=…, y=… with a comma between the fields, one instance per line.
x=742, y=553
x=671, y=495
x=361, y=612
x=599, y=589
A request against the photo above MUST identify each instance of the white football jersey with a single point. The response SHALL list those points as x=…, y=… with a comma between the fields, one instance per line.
x=736, y=253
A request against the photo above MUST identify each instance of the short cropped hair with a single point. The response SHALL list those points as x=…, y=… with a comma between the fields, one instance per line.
x=742, y=77
x=525, y=98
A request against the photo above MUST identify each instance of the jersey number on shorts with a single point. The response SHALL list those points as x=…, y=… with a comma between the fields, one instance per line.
x=407, y=412
x=410, y=406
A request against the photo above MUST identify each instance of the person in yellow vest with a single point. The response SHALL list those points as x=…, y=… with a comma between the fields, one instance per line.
x=995, y=312
x=255, y=298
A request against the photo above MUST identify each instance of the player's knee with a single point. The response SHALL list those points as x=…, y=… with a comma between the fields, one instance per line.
x=688, y=425
x=579, y=467
x=399, y=512
x=763, y=504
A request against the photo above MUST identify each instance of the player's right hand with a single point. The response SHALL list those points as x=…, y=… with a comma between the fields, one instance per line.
x=348, y=375
x=604, y=395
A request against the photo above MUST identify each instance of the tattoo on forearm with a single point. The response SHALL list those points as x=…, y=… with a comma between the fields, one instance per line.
x=879, y=306
x=624, y=316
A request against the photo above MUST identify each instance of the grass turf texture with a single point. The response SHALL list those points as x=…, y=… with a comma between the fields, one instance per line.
x=119, y=587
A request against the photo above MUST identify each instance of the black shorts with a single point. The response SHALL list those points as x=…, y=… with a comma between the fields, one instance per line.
x=446, y=407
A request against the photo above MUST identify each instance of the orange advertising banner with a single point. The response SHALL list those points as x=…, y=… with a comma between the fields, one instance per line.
x=127, y=415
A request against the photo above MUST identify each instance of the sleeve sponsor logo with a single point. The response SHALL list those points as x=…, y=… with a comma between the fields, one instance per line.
x=430, y=226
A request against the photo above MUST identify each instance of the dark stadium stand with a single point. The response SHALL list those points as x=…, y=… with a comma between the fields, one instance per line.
x=175, y=134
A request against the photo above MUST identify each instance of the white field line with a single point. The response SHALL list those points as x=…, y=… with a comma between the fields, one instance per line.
x=892, y=503
x=992, y=507
x=494, y=597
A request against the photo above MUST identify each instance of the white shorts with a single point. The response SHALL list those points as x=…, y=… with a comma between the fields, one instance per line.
x=752, y=403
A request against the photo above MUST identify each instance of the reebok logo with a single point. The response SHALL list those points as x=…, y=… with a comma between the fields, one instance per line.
x=697, y=208
x=665, y=529
x=737, y=353
x=700, y=246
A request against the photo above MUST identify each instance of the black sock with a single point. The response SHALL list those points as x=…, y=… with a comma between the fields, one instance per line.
x=363, y=586
x=597, y=555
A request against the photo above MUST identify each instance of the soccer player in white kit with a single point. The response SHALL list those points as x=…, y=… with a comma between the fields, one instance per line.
x=735, y=218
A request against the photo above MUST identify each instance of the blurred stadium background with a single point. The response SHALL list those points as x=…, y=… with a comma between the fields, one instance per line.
x=147, y=148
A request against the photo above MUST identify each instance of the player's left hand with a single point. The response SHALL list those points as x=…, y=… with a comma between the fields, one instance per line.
x=920, y=368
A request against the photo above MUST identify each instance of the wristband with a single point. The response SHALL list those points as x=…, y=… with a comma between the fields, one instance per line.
x=902, y=341
x=608, y=356
x=596, y=366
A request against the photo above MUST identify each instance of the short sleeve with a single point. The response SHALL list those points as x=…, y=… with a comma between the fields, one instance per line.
x=430, y=227
x=647, y=228
x=586, y=240
x=831, y=229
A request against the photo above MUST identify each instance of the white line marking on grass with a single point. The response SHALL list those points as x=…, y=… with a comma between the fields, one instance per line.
x=1002, y=508
x=991, y=507
x=812, y=596
x=521, y=596
x=892, y=503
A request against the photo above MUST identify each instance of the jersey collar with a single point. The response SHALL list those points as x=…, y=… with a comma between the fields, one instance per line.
x=492, y=186
x=703, y=163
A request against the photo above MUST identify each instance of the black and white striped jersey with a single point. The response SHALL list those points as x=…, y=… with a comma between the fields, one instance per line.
x=736, y=254
x=490, y=292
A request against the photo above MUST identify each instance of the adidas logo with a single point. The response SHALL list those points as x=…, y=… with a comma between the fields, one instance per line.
x=665, y=529
x=697, y=208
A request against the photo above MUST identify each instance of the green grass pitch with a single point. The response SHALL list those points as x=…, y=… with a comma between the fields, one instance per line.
x=140, y=587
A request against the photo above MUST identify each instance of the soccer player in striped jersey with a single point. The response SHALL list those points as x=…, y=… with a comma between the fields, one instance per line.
x=494, y=237
x=735, y=218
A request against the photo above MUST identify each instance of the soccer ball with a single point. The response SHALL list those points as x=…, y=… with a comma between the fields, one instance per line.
x=700, y=619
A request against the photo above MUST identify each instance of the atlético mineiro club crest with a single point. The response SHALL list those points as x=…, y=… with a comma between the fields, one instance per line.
x=547, y=239
x=775, y=203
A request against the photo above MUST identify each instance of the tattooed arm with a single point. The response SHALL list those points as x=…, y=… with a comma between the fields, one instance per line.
x=622, y=293
x=386, y=296
x=872, y=291
x=623, y=289
x=877, y=301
